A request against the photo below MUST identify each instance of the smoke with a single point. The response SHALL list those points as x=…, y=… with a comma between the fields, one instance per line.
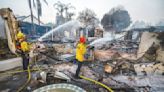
x=117, y=18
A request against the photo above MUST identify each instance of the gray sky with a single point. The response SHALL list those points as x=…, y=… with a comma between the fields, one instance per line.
x=147, y=10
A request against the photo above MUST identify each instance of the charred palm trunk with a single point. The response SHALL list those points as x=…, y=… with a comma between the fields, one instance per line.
x=38, y=19
x=32, y=28
x=39, y=10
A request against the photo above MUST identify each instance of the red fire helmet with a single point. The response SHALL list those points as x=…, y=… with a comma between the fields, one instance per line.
x=82, y=39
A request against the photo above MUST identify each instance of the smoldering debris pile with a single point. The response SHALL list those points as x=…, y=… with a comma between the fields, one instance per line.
x=118, y=65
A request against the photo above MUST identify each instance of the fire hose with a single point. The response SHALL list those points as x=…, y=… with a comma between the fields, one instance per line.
x=20, y=71
x=29, y=77
x=101, y=84
x=28, y=80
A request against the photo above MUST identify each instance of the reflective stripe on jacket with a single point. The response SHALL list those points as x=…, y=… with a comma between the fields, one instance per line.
x=80, y=52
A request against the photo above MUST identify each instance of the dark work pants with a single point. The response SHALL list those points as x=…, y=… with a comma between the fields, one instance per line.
x=78, y=68
x=25, y=61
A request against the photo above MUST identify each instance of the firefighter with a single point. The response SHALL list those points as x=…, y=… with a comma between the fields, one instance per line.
x=23, y=49
x=80, y=52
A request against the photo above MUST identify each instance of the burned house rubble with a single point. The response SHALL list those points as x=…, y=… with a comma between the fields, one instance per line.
x=123, y=65
x=131, y=60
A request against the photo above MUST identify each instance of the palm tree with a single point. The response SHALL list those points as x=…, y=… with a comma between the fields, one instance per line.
x=70, y=16
x=39, y=12
x=59, y=7
x=30, y=6
x=39, y=8
x=67, y=7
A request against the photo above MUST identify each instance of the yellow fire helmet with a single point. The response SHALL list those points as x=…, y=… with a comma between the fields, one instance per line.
x=20, y=35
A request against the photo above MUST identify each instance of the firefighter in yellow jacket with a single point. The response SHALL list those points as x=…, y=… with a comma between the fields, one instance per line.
x=23, y=49
x=80, y=52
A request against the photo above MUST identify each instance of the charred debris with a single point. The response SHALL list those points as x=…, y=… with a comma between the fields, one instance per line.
x=124, y=64
x=131, y=62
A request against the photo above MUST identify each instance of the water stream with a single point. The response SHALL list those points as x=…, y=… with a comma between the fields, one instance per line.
x=67, y=29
